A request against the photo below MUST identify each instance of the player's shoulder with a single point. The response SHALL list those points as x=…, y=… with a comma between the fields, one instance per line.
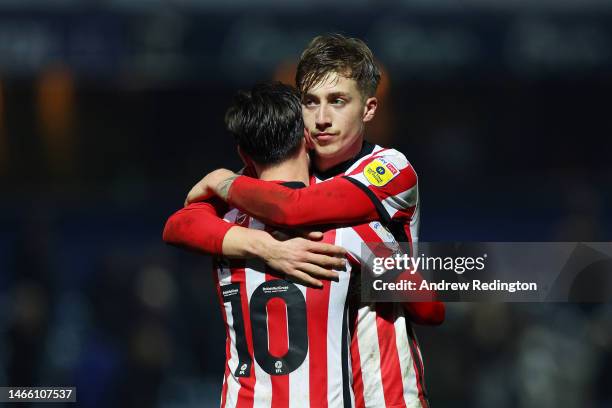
x=389, y=160
x=391, y=155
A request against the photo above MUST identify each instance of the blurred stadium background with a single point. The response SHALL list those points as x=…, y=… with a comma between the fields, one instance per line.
x=111, y=109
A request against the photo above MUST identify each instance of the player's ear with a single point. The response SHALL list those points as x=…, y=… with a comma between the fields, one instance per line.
x=369, y=110
x=308, y=139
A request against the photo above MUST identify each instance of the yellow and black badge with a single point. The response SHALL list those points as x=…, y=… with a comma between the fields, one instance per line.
x=379, y=172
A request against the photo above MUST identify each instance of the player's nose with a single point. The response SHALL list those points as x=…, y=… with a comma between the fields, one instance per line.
x=323, y=119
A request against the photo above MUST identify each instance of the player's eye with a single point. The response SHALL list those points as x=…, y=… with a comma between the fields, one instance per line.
x=339, y=101
x=309, y=102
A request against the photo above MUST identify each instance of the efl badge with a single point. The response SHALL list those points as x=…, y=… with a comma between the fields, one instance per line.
x=379, y=172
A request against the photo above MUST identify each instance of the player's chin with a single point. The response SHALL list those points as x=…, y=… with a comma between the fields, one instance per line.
x=326, y=149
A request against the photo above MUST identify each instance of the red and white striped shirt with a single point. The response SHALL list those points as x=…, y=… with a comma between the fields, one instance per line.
x=287, y=344
x=386, y=373
x=387, y=364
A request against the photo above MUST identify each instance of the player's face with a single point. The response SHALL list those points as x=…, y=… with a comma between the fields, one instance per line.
x=334, y=115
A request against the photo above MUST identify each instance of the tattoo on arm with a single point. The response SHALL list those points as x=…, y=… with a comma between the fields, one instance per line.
x=224, y=186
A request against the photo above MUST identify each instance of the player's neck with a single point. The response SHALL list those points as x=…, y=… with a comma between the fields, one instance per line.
x=295, y=169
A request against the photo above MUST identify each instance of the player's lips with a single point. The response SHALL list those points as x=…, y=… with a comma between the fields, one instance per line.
x=324, y=136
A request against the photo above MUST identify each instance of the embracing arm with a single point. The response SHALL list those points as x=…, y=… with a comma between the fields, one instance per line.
x=426, y=313
x=428, y=310
x=337, y=201
x=341, y=200
x=384, y=187
x=199, y=228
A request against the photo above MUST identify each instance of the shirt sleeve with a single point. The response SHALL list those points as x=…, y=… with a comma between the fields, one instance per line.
x=430, y=312
x=390, y=182
x=198, y=227
x=337, y=201
x=427, y=310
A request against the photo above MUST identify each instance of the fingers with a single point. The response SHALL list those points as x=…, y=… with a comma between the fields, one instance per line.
x=313, y=235
x=324, y=248
x=326, y=261
x=317, y=271
x=303, y=279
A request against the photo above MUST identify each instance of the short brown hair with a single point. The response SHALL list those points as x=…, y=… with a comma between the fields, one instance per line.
x=349, y=57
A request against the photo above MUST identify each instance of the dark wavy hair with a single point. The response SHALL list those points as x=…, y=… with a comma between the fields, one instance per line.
x=267, y=122
x=349, y=57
